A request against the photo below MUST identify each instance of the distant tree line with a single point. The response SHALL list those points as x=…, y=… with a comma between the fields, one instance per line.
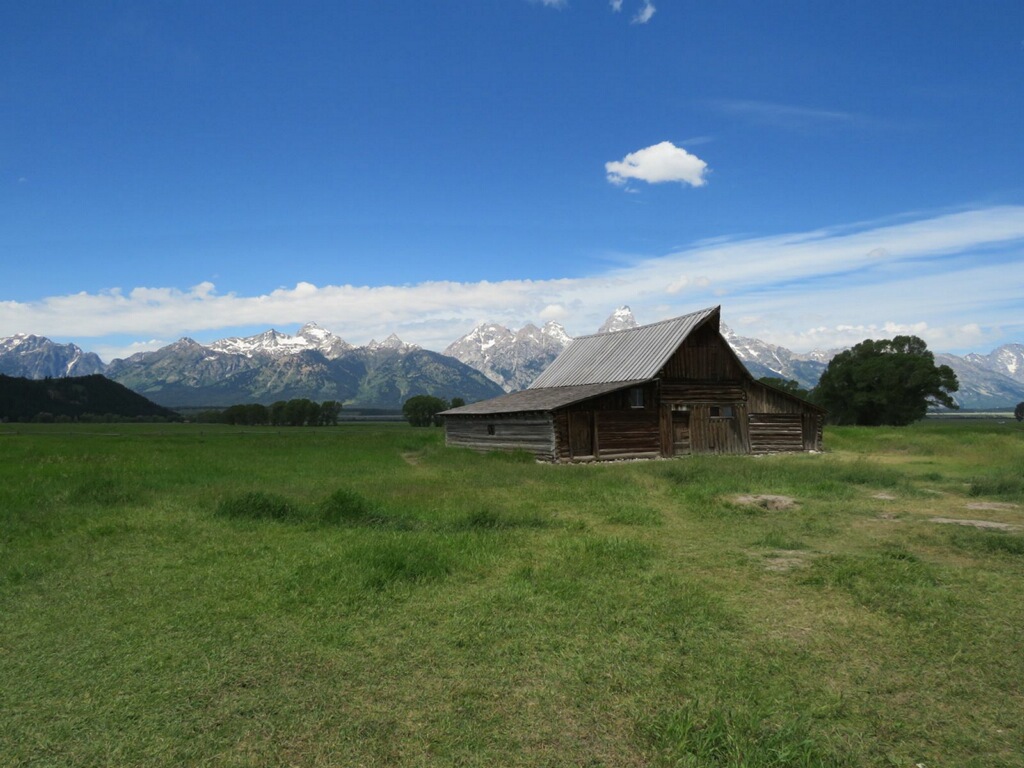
x=297, y=412
x=422, y=410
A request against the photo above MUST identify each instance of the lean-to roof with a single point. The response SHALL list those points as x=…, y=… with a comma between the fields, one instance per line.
x=538, y=399
x=636, y=354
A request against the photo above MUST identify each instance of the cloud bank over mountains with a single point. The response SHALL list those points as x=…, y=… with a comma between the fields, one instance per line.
x=820, y=289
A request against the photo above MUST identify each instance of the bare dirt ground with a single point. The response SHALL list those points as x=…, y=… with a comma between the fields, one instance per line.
x=989, y=524
x=768, y=501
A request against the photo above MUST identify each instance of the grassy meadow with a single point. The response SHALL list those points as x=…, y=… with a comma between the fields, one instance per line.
x=362, y=596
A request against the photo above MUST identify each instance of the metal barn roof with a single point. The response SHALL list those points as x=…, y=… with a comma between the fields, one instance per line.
x=538, y=399
x=632, y=355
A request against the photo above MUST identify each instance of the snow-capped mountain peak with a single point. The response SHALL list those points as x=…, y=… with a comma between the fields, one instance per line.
x=274, y=343
x=556, y=332
x=620, y=320
x=323, y=341
x=509, y=358
x=392, y=342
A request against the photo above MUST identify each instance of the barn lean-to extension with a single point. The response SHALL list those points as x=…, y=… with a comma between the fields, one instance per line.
x=666, y=389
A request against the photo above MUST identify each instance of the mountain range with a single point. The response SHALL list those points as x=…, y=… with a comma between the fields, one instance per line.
x=270, y=366
x=489, y=360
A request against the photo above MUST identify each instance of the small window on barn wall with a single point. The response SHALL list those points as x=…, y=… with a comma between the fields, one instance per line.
x=636, y=397
x=721, y=412
x=490, y=429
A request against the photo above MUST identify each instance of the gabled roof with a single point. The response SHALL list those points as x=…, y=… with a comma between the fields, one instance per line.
x=538, y=399
x=633, y=355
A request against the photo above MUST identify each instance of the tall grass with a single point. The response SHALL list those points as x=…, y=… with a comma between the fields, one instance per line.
x=361, y=595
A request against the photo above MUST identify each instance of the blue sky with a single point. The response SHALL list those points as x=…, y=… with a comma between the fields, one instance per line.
x=826, y=172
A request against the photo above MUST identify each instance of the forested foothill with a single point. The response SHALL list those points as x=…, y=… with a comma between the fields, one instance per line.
x=80, y=398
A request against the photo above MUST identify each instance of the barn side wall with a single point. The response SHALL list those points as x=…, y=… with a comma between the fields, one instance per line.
x=609, y=427
x=781, y=422
x=532, y=432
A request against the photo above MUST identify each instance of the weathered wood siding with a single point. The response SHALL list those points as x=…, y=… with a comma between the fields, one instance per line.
x=533, y=432
x=782, y=422
x=627, y=434
x=617, y=430
x=764, y=399
x=704, y=357
x=683, y=393
x=717, y=434
x=776, y=432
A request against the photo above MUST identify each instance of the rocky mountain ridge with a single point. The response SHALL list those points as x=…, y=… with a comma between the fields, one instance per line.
x=995, y=380
x=36, y=357
x=488, y=360
x=511, y=359
x=314, y=364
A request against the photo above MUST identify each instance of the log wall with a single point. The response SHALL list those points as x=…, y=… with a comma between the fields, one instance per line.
x=776, y=432
x=621, y=434
x=618, y=431
x=533, y=432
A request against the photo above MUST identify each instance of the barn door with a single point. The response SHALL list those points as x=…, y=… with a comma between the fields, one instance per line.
x=581, y=434
x=680, y=433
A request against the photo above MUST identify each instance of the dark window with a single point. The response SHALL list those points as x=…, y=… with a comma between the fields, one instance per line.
x=490, y=429
x=721, y=412
x=636, y=397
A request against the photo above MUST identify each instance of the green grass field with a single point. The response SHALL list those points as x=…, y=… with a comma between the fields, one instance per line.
x=362, y=596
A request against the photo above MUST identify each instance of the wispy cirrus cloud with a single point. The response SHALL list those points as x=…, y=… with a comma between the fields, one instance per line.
x=791, y=117
x=659, y=163
x=643, y=14
x=952, y=278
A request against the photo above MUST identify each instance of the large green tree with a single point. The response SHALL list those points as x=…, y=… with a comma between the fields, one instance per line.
x=885, y=382
x=422, y=410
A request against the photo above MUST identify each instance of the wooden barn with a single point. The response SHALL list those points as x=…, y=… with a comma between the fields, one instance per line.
x=666, y=389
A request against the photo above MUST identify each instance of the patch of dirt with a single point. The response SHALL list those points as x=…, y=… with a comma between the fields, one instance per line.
x=784, y=560
x=991, y=505
x=411, y=458
x=989, y=524
x=883, y=496
x=768, y=501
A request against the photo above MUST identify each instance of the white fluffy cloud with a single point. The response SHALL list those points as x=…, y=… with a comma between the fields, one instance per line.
x=821, y=289
x=658, y=164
